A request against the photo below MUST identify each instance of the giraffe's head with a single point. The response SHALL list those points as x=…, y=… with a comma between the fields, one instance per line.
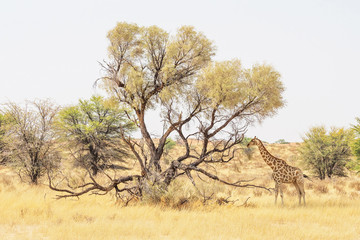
x=253, y=141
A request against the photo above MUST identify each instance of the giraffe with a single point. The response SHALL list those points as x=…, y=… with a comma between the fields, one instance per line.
x=282, y=172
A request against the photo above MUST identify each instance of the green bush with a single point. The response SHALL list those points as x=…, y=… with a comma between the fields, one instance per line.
x=355, y=146
x=327, y=153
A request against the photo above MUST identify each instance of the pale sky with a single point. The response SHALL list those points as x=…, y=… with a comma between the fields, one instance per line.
x=51, y=49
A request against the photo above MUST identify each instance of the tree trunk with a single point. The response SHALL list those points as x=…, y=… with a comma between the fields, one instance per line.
x=34, y=170
x=35, y=174
x=94, y=168
x=94, y=160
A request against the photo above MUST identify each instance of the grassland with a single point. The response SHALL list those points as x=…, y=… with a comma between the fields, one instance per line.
x=332, y=211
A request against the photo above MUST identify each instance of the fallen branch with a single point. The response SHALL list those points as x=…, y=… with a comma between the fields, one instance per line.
x=93, y=187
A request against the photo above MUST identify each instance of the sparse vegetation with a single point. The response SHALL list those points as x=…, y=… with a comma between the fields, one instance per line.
x=226, y=212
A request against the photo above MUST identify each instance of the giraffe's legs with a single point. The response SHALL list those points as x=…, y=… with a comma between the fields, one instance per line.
x=278, y=188
x=302, y=190
x=298, y=191
x=281, y=194
x=276, y=191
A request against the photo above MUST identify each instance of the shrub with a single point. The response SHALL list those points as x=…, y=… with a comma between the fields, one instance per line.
x=354, y=195
x=340, y=190
x=355, y=185
x=257, y=193
x=326, y=154
x=321, y=188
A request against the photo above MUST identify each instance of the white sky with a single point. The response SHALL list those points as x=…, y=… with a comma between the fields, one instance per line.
x=51, y=49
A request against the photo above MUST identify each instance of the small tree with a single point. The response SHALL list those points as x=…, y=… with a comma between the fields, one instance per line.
x=93, y=130
x=326, y=153
x=31, y=139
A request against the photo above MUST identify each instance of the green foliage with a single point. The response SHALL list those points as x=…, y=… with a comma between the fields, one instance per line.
x=327, y=153
x=281, y=141
x=221, y=83
x=146, y=61
x=93, y=129
x=355, y=146
x=170, y=144
x=245, y=141
x=246, y=150
x=2, y=126
x=228, y=86
x=2, y=119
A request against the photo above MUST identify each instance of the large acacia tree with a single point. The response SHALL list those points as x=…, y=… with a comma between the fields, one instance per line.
x=215, y=102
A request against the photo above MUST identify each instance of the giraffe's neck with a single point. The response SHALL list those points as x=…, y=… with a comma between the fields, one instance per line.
x=268, y=158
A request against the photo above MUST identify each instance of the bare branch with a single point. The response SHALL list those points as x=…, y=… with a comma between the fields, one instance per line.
x=92, y=187
x=216, y=178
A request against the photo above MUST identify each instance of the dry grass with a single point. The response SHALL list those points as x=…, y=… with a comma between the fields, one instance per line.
x=355, y=185
x=34, y=215
x=332, y=211
x=321, y=188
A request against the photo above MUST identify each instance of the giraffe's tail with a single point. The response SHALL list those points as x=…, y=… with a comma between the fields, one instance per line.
x=306, y=176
